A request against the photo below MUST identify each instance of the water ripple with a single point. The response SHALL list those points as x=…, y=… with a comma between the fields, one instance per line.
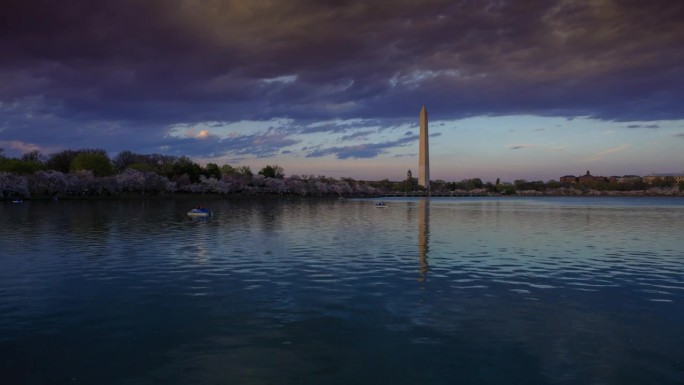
x=562, y=285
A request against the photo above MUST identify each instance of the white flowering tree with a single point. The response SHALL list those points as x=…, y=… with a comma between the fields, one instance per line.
x=214, y=185
x=275, y=185
x=237, y=182
x=13, y=186
x=81, y=182
x=108, y=184
x=48, y=183
x=143, y=182
x=296, y=185
x=342, y=188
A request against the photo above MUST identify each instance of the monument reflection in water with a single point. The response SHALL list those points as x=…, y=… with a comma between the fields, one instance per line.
x=423, y=236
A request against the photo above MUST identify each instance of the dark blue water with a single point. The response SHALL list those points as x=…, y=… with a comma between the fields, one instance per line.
x=445, y=291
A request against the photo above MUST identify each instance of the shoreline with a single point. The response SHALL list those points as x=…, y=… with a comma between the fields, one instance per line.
x=280, y=196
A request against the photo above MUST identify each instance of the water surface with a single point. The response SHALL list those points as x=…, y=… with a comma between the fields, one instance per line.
x=439, y=291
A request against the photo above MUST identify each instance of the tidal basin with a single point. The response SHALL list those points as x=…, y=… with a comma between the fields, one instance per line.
x=327, y=291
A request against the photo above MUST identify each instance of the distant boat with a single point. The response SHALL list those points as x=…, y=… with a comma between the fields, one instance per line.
x=17, y=201
x=199, y=212
x=381, y=205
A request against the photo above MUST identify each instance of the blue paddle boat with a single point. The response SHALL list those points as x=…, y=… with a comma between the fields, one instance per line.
x=199, y=212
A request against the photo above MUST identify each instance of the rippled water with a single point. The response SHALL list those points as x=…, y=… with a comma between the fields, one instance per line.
x=440, y=291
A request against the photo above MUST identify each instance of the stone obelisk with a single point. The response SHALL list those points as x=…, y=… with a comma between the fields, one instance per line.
x=423, y=151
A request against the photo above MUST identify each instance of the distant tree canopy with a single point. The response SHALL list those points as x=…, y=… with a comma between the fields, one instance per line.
x=61, y=161
x=553, y=184
x=522, y=184
x=125, y=159
x=29, y=163
x=161, y=164
x=18, y=166
x=142, y=167
x=33, y=157
x=468, y=184
x=244, y=171
x=185, y=166
x=177, y=169
x=96, y=162
x=212, y=170
x=272, y=171
x=227, y=169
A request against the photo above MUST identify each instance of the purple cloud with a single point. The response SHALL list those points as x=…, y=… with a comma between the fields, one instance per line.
x=121, y=72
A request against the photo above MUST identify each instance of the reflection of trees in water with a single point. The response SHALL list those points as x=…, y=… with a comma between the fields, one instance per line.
x=58, y=228
x=86, y=220
x=423, y=237
x=270, y=214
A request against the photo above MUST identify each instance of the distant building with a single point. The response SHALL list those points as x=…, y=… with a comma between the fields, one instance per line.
x=569, y=179
x=411, y=182
x=625, y=179
x=584, y=179
x=650, y=179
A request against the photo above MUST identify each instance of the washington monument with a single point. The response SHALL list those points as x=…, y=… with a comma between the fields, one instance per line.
x=423, y=151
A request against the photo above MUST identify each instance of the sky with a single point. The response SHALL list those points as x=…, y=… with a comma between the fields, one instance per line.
x=515, y=89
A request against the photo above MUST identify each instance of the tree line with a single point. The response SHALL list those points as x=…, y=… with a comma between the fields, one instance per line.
x=91, y=172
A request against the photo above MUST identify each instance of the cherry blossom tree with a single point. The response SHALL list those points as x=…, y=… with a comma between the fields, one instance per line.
x=48, y=183
x=12, y=185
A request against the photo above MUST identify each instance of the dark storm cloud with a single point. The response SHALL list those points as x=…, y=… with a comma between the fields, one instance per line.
x=139, y=66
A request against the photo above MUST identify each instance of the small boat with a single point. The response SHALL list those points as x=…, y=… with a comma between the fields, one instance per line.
x=199, y=212
x=17, y=201
x=381, y=205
